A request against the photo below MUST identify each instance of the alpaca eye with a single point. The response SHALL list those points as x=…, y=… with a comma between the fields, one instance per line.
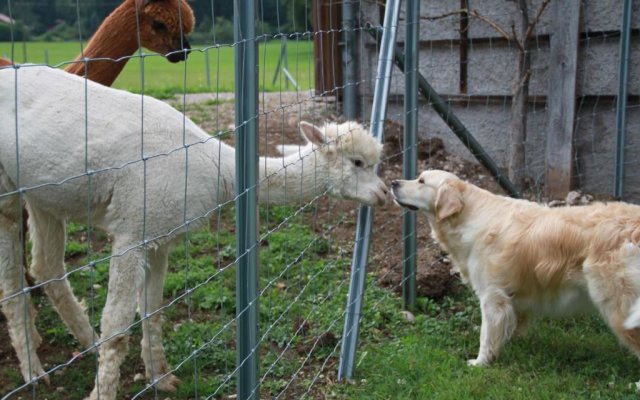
x=358, y=163
x=421, y=180
x=158, y=26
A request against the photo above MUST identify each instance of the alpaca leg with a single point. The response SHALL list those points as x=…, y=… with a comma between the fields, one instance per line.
x=48, y=239
x=126, y=274
x=499, y=321
x=18, y=310
x=150, y=300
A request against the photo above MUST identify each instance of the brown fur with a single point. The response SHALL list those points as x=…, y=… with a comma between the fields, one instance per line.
x=524, y=259
x=117, y=38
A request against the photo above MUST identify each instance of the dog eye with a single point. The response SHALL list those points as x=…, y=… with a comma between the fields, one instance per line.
x=421, y=180
x=358, y=163
x=158, y=26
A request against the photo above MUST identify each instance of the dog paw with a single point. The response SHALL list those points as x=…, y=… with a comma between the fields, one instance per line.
x=168, y=384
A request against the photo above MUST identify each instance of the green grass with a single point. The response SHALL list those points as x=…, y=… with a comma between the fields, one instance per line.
x=576, y=358
x=302, y=303
x=163, y=79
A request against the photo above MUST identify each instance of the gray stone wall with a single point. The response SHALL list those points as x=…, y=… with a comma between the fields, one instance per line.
x=485, y=107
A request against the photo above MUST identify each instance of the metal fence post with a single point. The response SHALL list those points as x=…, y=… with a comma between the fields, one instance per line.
x=208, y=68
x=410, y=153
x=246, y=136
x=349, y=60
x=365, y=214
x=621, y=106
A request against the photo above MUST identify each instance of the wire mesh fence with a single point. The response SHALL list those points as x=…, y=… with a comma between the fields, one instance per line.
x=179, y=159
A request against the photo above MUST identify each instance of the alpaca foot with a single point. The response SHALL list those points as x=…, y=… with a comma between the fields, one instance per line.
x=37, y=373
x=477, y=362
x=168, y=384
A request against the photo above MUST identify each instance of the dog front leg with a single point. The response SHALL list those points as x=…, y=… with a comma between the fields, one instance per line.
x=499, y=321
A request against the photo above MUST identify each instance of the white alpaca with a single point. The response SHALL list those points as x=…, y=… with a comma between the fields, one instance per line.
x=76, y=149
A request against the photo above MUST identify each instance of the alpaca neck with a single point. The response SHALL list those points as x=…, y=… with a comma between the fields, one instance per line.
x=297, y=178
x=115, y=38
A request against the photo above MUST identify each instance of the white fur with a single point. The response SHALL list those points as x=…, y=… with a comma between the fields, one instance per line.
x=143, y=172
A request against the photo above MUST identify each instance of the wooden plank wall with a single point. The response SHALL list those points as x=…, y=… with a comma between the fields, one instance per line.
x=561, y=103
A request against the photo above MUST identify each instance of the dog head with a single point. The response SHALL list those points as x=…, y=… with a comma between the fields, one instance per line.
x=439, y=193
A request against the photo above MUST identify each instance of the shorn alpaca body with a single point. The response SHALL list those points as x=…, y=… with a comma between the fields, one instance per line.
x=159, y=25
x=143, y=178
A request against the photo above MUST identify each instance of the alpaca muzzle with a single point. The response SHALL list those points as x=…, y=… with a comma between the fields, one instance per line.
x=180, y=54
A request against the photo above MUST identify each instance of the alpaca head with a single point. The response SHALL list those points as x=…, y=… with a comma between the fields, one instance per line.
x=348, y=155
x=163, y=26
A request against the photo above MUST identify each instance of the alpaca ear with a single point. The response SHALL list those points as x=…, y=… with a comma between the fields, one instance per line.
x=448, y=201
x=312, y=133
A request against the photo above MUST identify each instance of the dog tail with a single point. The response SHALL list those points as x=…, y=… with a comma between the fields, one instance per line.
x=631, y=255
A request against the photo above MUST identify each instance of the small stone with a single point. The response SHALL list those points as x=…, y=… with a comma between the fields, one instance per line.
x=408, y=315
x=138, y=377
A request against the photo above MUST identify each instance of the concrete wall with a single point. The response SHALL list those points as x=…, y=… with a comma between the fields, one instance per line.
x=485, y=107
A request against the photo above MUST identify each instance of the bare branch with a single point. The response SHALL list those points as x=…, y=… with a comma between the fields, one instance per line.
x=491, y=23
x=533, y=23
x=445, y=15
x=474, y=14
x=515, y=38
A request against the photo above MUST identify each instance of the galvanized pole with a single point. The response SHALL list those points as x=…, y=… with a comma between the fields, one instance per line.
x=246, y=103
x=349, y=60
x=621, y=106
x=365, y=215
x=410, y=154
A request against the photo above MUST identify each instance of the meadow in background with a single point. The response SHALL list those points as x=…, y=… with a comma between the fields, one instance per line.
x=163, y=79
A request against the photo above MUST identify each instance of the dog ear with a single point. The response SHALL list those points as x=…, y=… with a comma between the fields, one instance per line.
x=448, y=201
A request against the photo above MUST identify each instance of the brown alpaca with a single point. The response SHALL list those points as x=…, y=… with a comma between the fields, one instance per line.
x=160, y=26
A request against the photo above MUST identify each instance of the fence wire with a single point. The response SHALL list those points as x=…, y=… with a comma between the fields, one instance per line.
x=467, y=54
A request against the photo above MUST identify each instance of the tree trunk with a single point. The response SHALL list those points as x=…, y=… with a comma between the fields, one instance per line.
x=519, y=103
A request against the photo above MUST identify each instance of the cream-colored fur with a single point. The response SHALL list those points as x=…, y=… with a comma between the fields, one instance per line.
x=135, y=167
x=523, y=259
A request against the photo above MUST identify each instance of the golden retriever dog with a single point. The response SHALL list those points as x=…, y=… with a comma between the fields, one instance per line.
x=523, y=259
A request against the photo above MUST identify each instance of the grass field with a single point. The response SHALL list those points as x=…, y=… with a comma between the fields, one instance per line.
x=163, y=79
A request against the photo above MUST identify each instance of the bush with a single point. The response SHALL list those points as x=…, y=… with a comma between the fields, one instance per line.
x=18, y=32
x=60, y=33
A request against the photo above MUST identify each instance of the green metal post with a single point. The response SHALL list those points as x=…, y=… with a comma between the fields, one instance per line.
x=410, y=154
x=350, y=61
x=621, y=106
x=246, y=98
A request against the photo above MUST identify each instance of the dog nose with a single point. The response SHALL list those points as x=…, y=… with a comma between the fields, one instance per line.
x=395, y=184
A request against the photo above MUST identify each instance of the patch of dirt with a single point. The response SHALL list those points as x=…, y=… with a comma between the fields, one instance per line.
x=280, y=114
